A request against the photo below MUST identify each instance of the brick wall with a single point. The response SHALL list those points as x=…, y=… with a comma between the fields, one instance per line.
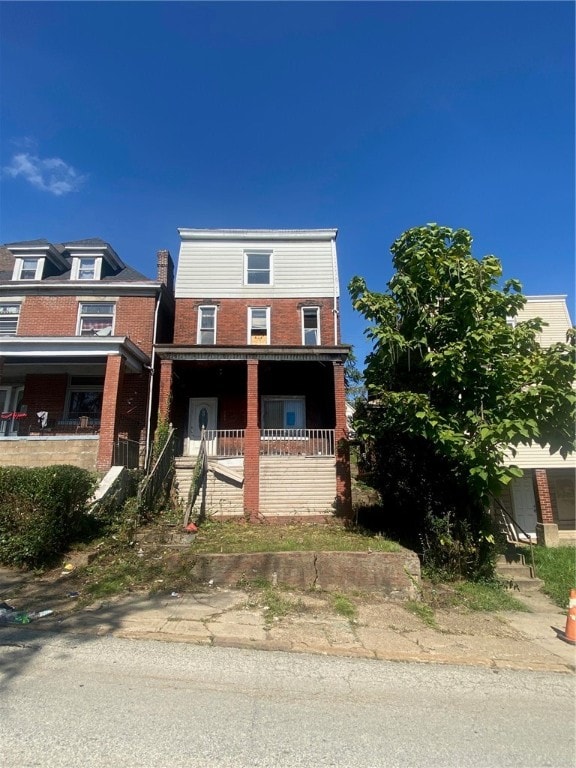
x=58, y=316
x=44, y=392
x=252, y=446
x=232, y=320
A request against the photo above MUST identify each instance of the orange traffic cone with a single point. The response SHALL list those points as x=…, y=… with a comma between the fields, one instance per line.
x=570, y=634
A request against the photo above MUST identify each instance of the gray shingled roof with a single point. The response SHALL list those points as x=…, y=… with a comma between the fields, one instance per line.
x=125, y=275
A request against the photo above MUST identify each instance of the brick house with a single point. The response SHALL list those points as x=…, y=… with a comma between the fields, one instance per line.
x=542, y=501
x=77, y=330
x=256, y=372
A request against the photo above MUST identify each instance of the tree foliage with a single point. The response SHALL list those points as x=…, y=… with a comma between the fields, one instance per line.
x=451, y=364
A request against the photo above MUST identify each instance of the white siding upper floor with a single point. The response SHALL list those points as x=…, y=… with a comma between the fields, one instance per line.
x=212, y=263
x=554, y=311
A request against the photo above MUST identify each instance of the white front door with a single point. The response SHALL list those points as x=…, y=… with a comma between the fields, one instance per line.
x=524, y=502
x=202, y=414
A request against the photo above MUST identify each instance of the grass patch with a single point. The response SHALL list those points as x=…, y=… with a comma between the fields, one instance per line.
x=231, y=537
x=424, y=612
x=270, y=598
x=557, y=569
x=485, y=596
x=343, y=606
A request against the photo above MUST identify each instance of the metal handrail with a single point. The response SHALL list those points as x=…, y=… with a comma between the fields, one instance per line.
x=198, y=481
x=515, y=526
x=154, y=482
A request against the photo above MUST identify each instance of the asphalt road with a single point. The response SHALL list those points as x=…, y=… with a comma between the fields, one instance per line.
x=84, y=701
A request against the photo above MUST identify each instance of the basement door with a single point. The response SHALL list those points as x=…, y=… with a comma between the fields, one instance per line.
x=524, y=502
x=202, y=414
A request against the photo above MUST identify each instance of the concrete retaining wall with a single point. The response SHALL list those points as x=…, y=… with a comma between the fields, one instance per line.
x=393, y=574
x=44, y=451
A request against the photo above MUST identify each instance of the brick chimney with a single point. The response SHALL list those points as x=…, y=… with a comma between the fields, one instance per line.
x=166, y=270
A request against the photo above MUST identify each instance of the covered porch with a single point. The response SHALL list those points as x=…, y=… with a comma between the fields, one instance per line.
x=70, y=400
x=252, y=407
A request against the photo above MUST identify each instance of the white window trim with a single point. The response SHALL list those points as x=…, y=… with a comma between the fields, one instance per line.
x=77, y=262
x=318, y=338
x=253, y=252
x=16, y=303
x=19, y=265
x=81, y=315
x=249, y=328
x=199, y=323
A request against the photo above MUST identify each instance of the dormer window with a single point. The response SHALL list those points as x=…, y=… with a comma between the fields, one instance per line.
x=86, y=268
x=28, y=269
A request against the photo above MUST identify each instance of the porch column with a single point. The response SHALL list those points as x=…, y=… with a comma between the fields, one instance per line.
x=165, y=395
x=110, y=402
x=252, y=445
x=546, y=527
x=343, y=482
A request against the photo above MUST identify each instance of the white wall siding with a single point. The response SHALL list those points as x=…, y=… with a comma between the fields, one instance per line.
x=297, y=485
x=534, y=457
x=553, y=310
x=223, y=496
x=216, y=269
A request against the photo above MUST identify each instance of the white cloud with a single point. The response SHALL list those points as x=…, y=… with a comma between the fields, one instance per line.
x=50, y=174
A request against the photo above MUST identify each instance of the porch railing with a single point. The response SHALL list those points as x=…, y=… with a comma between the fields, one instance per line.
x=224, y=443
x=49, y=423
x=126, y=453
x=297, y=442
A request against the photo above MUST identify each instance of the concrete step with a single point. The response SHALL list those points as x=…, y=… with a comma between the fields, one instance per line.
x=522, y=584
x=514, y=571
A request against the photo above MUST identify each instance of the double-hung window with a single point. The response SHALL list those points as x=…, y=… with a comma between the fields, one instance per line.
x=258, y=325
x=96, y=319
x=206, y=325
x=283, y=413
x=86, y=268
x=28, y=269
x=258, y=269
x=9, y=314
x=310, y=326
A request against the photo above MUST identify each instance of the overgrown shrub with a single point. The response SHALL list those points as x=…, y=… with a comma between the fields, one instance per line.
x=42, y=510
x=426, y=505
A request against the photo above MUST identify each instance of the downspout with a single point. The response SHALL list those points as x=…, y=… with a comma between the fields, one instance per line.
x=335, y=290
x=151, y=383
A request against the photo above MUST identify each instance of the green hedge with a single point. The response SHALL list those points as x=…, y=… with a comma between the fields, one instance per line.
x=42, y=510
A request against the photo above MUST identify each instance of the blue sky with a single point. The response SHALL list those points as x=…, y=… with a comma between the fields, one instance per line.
x=128, y=120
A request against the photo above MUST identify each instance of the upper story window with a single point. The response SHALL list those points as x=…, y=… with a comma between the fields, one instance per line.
x=9, y=314
x=258, y=269
x=206, y=325
x=28, y=269
x=310, y=326
x=86, y=268
x=258, y=325
x=96, y=319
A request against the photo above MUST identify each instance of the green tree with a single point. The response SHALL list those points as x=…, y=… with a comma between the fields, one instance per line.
x=451, y=369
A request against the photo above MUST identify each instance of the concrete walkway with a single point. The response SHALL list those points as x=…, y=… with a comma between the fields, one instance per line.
x=381, y=629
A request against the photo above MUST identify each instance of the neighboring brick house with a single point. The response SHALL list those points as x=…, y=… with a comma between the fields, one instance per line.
x=77, y=329
x=542, y=501
x=257, y=368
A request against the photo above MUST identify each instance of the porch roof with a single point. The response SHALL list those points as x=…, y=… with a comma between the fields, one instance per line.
x=194, y=352
x=42, y=349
